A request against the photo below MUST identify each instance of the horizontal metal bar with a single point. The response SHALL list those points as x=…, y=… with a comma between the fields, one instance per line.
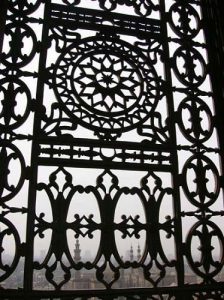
x=174, y=291
x=67, y=141
x=100, y=20
x=102, y=164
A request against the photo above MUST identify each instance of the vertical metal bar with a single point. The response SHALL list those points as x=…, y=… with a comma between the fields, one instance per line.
x=3, y=10
x=174, y=155
x=212, y=11
x=28, y=274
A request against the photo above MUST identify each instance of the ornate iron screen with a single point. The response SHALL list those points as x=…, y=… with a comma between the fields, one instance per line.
x=110, y=152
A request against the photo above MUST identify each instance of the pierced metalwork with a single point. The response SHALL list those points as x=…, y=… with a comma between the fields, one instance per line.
x=111, y=92
x=111, y=180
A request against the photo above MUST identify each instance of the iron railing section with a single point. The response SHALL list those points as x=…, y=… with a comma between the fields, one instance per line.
x=113, y=74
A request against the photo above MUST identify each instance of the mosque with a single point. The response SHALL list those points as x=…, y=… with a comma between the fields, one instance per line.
x=129, y=278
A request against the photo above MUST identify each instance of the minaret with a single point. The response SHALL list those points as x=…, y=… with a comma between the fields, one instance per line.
x=77, y=251
x=131, y=254
x=77, y=258
x=139, y=255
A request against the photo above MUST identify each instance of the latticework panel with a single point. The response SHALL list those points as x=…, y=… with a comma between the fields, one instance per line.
x=110, y=150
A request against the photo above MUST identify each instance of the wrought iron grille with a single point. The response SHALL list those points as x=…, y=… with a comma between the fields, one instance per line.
x=110, y=152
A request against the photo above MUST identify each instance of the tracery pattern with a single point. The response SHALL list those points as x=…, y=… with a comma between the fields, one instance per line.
x=201, y=177
x=107, y=198
x=19, y=49
x=142, y=8
x=112, y=93
x=108, y=138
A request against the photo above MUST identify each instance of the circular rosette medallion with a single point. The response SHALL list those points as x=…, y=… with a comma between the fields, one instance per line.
x=195, y=119
x=201, y=181
x=24, y=7
x=210, y=255
x=20, y=46
x=185, y=19
x=106, y=85
x=12, y=171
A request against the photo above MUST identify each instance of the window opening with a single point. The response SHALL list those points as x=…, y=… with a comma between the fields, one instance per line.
x=111, y=174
